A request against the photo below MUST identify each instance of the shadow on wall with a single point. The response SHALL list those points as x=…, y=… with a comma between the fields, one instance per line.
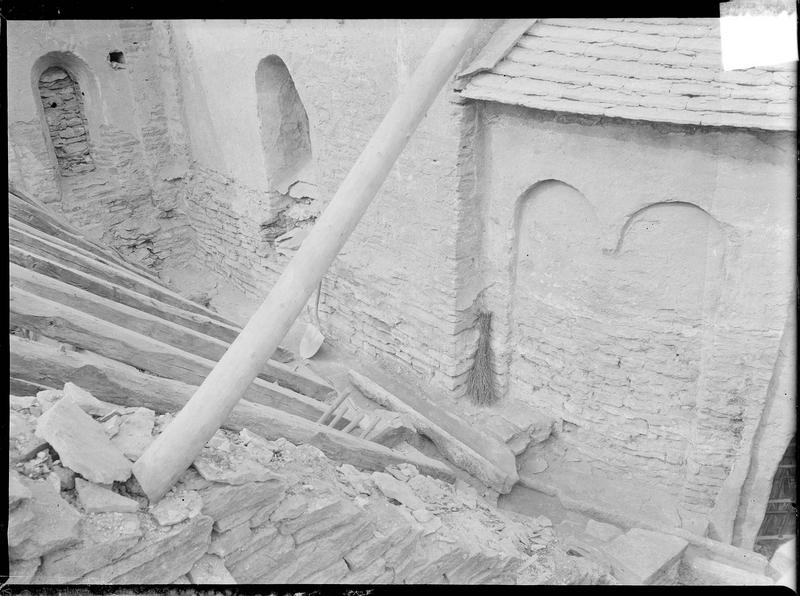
x=283, y=124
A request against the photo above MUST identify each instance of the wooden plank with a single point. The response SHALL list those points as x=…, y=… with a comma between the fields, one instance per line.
x=36, y=215
x=501, y=476
x=109, y=273
x=82, y=330
x=99, y=287
x=123, y=385
x=156, y=328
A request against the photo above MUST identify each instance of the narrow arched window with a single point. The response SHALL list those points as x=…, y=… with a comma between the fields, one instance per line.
x=283, y=124
x=66, y=121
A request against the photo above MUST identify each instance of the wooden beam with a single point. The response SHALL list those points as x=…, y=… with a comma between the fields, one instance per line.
x=109, y=273
x=123, y=385
x=157, y=328
x=82, y=330
x=99, y=287
x=174, y=450
x=499, y=478
x=36, y=215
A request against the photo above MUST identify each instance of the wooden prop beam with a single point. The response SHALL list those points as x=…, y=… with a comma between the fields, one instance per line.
x=297, y=378
x=500, y=477
x=176, y=448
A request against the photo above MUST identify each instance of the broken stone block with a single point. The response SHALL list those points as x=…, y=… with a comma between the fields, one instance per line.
x=232, y=467
x=431, y=526
x=53, y=523
x=22, y=572
x=422, y=515
x=96, y=499
x=210, y=569
x=135, y=433
x=784, y=557
x=602, y=530
x=86, y=401
x=112, y=425
x=17, y=491
x=260, y=556
x=105, y=538
x=21, y=403
x=162, y=555
x=23, y=443
x=47, y=398
x=176, y=507
x=399, y=491
x=20, y=527
x=342, y=515
x=82, y=444
x=644, y=554
x=66, y=477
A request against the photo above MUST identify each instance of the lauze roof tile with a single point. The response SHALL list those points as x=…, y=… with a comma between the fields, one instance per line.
x=662, y=70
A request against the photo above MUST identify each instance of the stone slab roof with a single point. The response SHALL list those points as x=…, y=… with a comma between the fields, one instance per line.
x=662, y=70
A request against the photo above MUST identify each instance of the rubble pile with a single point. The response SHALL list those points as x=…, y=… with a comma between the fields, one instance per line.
x=247, y=511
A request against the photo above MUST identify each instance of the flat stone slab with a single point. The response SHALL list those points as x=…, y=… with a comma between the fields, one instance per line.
x=96, y=499
x=644, y=554
x=210, y=569
x=17, y=491
x=135, y=433
x=82, y=444
x=237, y=465
x=53, y=523
x=105, y=538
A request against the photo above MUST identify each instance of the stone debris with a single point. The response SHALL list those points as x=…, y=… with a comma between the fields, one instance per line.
x=47, y=398
x=105, y=538
x=23, y=443
x=17, y=491
x=82, y=444
x=135, y=433
x=96, y=499
x=66, y=477
x=394, y=489
x=50, y=523
x=112, y=426
x=88, y=402
x=176, y=507
x=210, y=569
x=234, y=464
x=20, y=402
x=296, y=518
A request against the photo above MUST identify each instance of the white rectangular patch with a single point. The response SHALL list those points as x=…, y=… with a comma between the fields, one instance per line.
x=758, y=40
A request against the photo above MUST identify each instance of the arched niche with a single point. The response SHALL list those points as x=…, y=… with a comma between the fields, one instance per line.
x=283, y=125
x=66, y=94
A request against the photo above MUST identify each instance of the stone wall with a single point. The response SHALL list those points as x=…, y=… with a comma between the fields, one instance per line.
x=639, y=277
x=247, y=511
x=121, y=189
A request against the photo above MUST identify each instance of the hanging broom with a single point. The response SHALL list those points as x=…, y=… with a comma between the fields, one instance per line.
x=480, y=381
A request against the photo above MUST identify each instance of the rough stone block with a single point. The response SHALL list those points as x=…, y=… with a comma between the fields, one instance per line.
x=96, y=499
x=53, y=523
x=17, y=491
x=644, y=554
x=82, y=444
x=399, y=491
x=175, y=507
x=22, y=572
x=88, y=402
x=225, y=543
x=135, y=433
x=161, y=556
x=219, y=500
x=105, y=538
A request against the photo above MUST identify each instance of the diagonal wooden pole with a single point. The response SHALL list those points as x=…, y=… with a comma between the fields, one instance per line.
x=181, y=442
